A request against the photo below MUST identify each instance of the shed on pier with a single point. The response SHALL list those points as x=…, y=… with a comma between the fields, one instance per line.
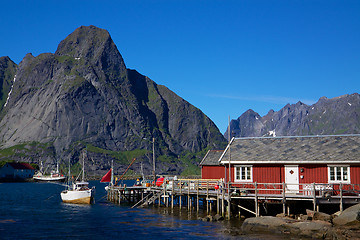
x=210, y=165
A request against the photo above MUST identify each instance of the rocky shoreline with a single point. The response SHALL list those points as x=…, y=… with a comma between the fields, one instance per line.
x=315, y=225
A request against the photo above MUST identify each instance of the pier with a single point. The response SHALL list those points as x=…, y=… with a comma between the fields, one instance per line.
x=216, y=197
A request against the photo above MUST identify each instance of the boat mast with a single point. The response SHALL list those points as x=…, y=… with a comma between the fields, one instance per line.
x=83, y=166
x=69, y=175
x=112, y=173
x=142, y=171
x=57, y=166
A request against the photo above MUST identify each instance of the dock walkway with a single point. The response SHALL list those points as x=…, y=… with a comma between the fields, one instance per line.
x=215, y=195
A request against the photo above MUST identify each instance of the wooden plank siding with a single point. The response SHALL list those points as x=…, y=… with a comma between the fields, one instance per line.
x=262, y=173
x=212, y=172
x=313, y=174
x=355, y=174
x=268, y=173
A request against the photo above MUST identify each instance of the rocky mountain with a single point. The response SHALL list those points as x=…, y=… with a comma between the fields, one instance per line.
x=339, y=115
x=7, y=73
x=84, y=96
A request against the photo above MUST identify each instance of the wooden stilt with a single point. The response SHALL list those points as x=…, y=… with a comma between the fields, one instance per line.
x=223, y=203
x=217, y=202
x=172, y=194
x=197, y=196
x=288, y=209
x=180, y=194
x=341, y=197
x=207, y=206
x=189, y=202
x=283, y=198
x=314, y=196
x=256, y=200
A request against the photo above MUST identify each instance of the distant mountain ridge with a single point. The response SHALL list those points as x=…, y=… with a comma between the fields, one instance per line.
x=339, y=115
x=84, y=96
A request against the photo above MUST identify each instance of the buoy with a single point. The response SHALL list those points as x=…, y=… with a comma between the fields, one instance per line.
x=216, y=187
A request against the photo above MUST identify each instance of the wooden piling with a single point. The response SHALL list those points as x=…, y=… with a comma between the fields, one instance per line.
x=256, y=200
x=197, y=196
x=283, y=198
x=314, y=196
x=341, y=197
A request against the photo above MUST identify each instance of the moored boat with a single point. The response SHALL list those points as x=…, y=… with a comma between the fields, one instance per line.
x=54, y=176
x=78, y=192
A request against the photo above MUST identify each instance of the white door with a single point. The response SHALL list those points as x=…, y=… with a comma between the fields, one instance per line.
x=292, y=179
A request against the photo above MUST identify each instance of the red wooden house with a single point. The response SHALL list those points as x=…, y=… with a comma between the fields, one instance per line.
x=296, y=161
x=210, y=165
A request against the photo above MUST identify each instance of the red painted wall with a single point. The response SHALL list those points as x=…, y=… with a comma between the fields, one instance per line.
x=313, y=173
x=268, y=173
x=212, y=172
x=355, y=174
x=264, y=173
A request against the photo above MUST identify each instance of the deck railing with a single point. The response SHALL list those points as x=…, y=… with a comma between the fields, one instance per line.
x=243, y=189
x=304, y=189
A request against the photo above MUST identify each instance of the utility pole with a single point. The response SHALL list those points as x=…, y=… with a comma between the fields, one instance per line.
x=154, y=161
x=229, y=134
x=229, y=201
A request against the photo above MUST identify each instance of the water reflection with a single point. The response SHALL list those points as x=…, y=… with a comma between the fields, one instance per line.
x=38, y=209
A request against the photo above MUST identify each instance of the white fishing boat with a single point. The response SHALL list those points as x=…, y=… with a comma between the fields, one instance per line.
x=78, y=191
x=54, y=176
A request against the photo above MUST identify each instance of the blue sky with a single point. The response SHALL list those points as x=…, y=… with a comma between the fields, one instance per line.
x=223, y=56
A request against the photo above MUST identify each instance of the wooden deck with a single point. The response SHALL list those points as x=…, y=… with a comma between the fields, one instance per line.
x=215, y=195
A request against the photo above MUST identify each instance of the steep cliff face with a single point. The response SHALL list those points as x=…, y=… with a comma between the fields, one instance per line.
x=7, y=74
x=84, y=94
x=338, y=115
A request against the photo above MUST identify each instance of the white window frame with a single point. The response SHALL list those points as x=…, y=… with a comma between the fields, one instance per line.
x=341, y=172
x=247, y=179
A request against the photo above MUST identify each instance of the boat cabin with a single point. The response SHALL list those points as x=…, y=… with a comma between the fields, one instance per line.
x=81, y=186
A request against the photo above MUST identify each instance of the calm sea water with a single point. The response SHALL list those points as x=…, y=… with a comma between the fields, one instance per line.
x=35, y=211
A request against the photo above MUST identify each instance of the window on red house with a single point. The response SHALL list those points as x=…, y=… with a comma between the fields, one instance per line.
x=339, y=174
x=243, y=173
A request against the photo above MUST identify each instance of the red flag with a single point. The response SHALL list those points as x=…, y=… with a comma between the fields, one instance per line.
x=106, y=177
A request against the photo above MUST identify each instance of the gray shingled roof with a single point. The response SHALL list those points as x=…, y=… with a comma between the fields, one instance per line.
x=212, y=158
x=308, y=149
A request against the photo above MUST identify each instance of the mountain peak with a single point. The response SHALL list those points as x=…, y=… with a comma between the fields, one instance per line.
x=94, y=45
x=339, y=115
x=83, y=42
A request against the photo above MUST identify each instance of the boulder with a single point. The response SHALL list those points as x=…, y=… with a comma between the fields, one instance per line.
x=349, y=216
x=218, y=217
x=313, y=229
x=314, y=215
x=304, y=217
x=266, y=223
